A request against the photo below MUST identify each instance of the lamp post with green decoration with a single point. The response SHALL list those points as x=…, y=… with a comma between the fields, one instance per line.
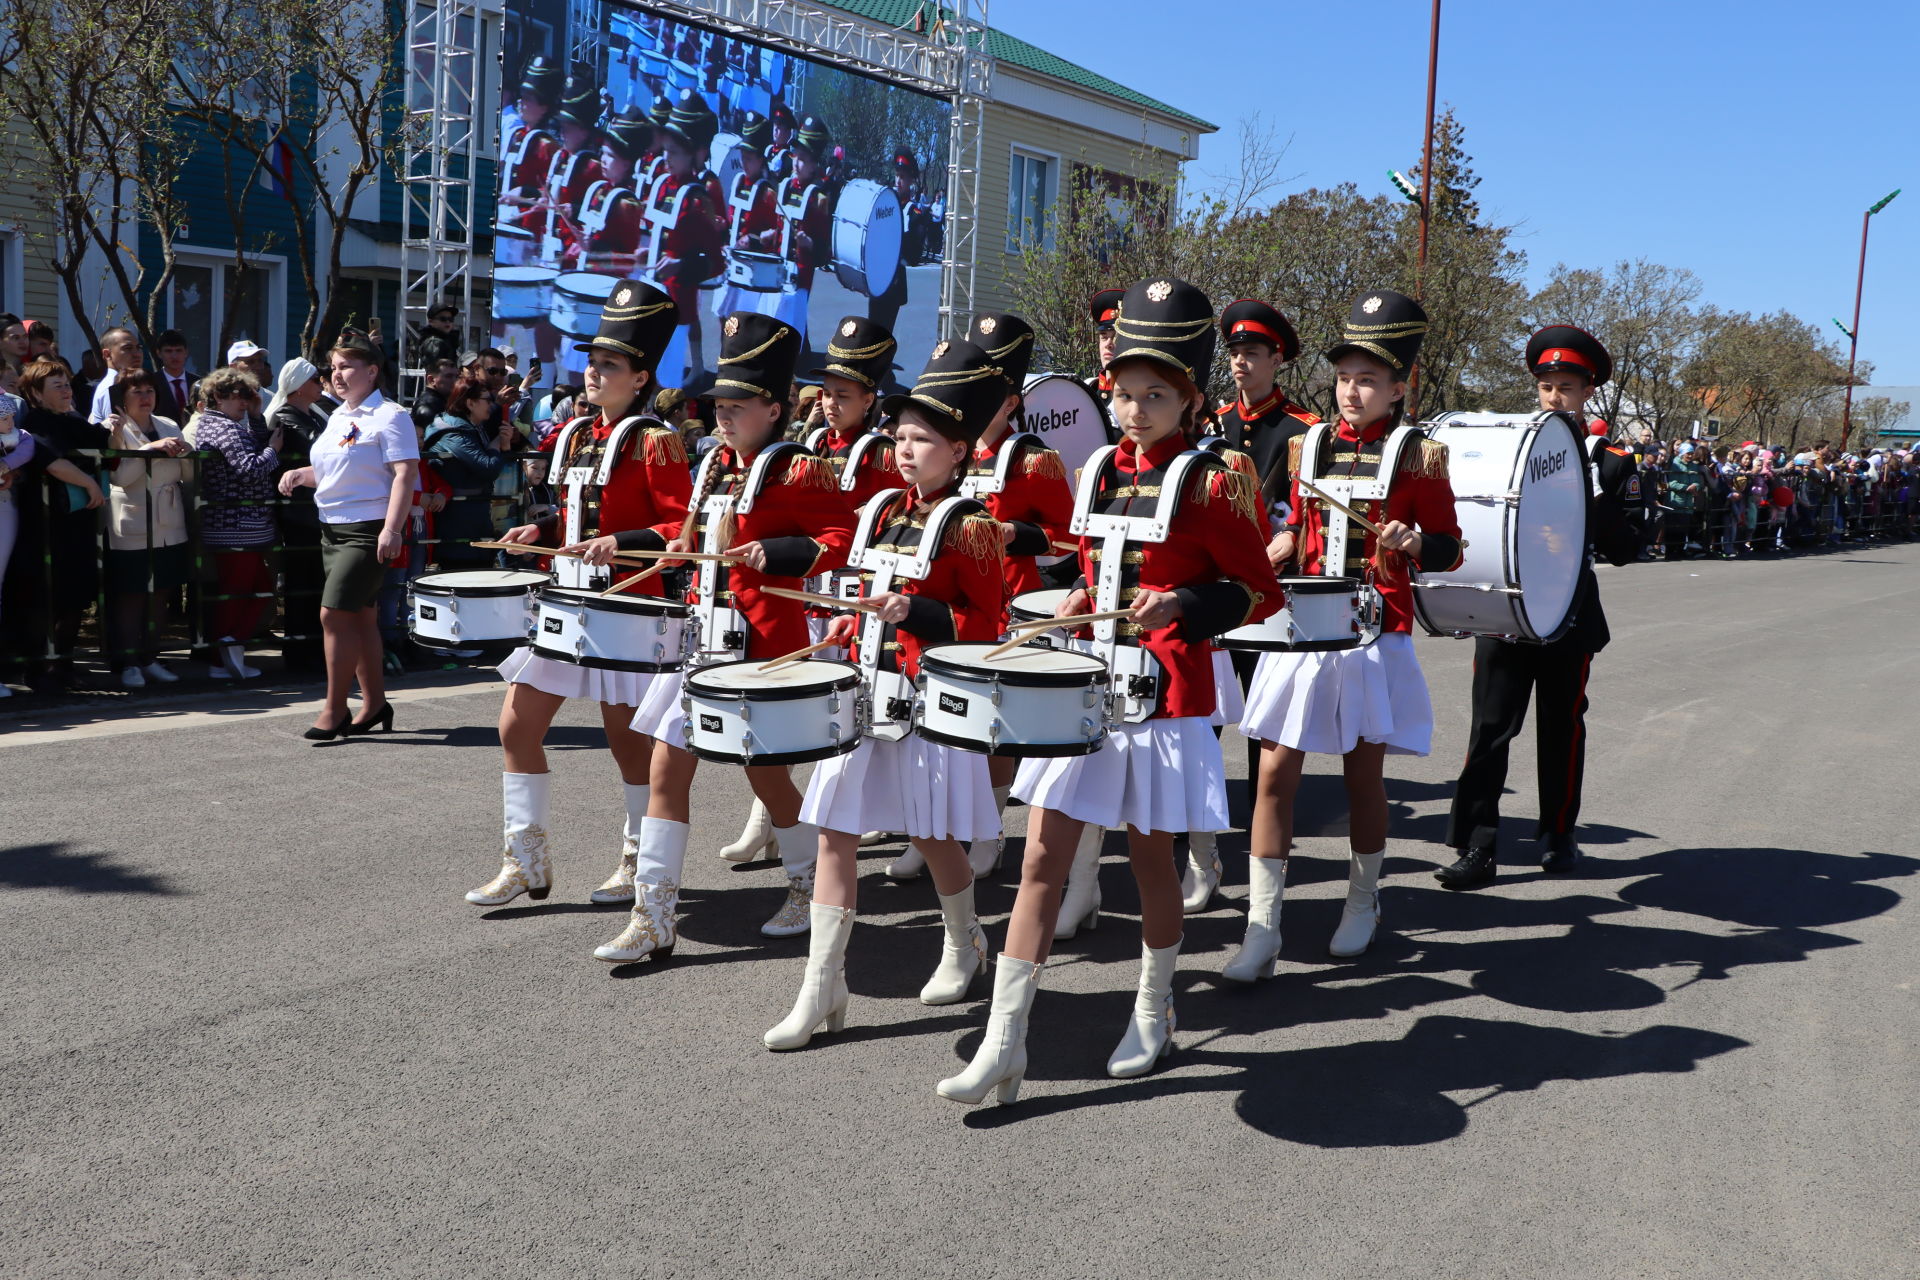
x=1853, y=335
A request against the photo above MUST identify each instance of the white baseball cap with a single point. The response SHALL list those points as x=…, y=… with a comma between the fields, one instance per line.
x=242, y=349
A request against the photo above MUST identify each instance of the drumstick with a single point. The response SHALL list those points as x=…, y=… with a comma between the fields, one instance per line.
x=865, y=606
x=1025, y=630
x=643, y=556
x=797, y=654
x=1065, y=546
x=525, y=549
x=624, y=583
x=1351, y=514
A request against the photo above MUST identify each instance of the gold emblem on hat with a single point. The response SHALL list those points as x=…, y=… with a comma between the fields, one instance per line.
x=989, y=325
x=1159, y=291
x=624, y=297
x=941, y=350
x=1371, y=305
x=846, y=330
x=732, y=326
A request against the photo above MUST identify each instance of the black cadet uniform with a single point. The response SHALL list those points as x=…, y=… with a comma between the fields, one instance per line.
x=1506, y=673
x=1102, y=308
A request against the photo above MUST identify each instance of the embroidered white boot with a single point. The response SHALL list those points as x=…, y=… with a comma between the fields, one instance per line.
x=653, y=928
x=1080, y=901
x=525, y=868
x=618, y=887
x=984, y=855
x=799, y=849
x=1267, y=885
x=1362, y=915
x=756, y=840
x=1000, y=1064
x=1149, y=1036
x=1203, y=872
x=963, y=954
x=823, y=990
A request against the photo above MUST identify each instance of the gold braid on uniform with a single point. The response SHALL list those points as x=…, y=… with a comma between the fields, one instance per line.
x=1428, y=460
x=808, y=471
x=661, y=446
x=1296, y=448
x=1234, y=486
x=1242, y=463
x=979, y=537
x=1044, y=464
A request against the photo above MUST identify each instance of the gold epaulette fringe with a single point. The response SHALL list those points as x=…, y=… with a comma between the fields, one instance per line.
x=662, y=446
x=1428, y=459
x=979, y=537
x=1243, y=463
x=807, y=471
x=1296, y=447
x=1045, y=464
x=1235, y=487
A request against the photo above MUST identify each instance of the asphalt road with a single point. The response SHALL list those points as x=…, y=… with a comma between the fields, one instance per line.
x=253, y=1030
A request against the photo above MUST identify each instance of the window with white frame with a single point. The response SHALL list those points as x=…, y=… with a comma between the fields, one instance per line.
x=12, y=271
x=211, y=295
x=1030, y=191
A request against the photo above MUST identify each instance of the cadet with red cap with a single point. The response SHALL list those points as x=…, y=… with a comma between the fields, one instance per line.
x=1567, y=364
x=1102, y=307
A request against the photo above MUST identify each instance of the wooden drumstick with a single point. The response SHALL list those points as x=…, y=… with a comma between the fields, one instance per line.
x=1065, y=546
x=1026, y=629
x=1351, y=514
x=797, y=654
x=624, y=583
x=644, y=556
x=525, y=549
x=810, y=597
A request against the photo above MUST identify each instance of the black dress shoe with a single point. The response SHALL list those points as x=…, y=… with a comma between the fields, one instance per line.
x=1563, y=856
x=1477, y=866
x=341, y=730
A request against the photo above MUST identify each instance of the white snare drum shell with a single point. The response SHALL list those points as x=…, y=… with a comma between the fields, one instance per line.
x=613, y=633
x=1030, y=702
x=473, y=608
x=738, y=714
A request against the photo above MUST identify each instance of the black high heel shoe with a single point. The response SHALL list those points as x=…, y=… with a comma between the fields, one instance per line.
x=340, y=730
x=382, y=722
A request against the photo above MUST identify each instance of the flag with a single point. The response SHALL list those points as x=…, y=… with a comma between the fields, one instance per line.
x=276, y=167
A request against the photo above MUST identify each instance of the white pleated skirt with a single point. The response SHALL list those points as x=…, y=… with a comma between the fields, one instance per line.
x=1161, y=775
x=567, y=680
x=660, y=714
x=1331, y=702
x=1227, y=704
x=928, y=791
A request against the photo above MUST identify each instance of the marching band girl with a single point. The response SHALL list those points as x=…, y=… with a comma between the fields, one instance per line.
x=938, y=795
x=643, y=492
x=783, y=515
x=1163, y=773
x=1356, y=703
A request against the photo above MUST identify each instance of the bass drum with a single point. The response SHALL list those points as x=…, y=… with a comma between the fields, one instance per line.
x=1064, y=413
x=723, y=157
x=1520, y=488
x=866, y=236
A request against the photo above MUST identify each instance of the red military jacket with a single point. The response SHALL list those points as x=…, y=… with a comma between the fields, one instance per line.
x=757, y=226
x=615, y=248
x=693, y=242
x=1214, y=558
x=806, y=526
x=1419, y=496
x=960, y=598
x=529, y=157
x=816, y=221
x=644, y=501
x=1037, y=501
x=875, y=472
x=1264, y=433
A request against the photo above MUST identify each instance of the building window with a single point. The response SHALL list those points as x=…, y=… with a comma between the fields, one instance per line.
x=1030, y=189
x=207, y=300
x=12, y=269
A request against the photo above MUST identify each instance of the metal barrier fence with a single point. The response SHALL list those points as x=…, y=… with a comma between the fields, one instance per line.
x=1822, y=510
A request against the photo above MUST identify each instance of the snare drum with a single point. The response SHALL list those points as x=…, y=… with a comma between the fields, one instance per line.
x=1032, y=606
x=521, y=294
x=755, y=272
x=513, y=244
x=578, y=299
x=1321, y=614
x=614, y=633
x=866, y=236
x=1027, y=702
x=740, y=714
x=485, y=609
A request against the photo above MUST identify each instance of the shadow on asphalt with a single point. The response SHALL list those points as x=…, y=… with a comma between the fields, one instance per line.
x=59, y=866
x=1781, y=901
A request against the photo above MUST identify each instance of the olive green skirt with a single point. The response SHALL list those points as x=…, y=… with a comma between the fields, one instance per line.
x=350, y=554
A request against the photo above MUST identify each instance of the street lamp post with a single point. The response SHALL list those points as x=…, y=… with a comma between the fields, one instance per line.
x=1426, y=192
x=1853, y=336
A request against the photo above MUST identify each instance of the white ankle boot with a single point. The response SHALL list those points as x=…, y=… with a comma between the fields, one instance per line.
x=799, y=847
x=963, y=955
x=619, y=886
x=1362, y=914
x=1000, y=1064
x=1080, y=902
x=908, y=866
x=756, y=840
x=653, y=928
x=823, y=991
x=1149, y=1036
x=525, y=868
x=984, y=855
x=1203, y=872
x=1267, y=881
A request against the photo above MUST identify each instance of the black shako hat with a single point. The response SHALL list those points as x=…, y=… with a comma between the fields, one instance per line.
x=541, y=80
x=629, y=134
x=1169, y=322
x=757, y=355
x=1386, y=325
x=756, y=132
x=661, y=111
x=692, y=121
x=1251, y=320
x=960, y=391
x=580, y=102
x=1103, y=306
x=1561, y=348
x=638, y=322
x=860, y=350
x=814, y=137
x=1007, y=340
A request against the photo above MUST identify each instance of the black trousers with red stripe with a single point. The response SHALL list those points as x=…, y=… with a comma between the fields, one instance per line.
x=1505, y=677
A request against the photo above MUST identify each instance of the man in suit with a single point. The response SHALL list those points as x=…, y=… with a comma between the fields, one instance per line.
x=176, y=384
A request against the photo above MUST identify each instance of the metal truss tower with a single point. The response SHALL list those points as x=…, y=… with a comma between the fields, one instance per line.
x=441, y=148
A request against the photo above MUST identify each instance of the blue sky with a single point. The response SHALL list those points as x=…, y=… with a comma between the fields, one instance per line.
x=1742, y=141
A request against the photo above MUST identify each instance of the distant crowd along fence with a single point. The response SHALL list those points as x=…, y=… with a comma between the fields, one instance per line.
x=1781, y=512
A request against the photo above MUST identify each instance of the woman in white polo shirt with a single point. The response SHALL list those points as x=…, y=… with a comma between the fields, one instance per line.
x=366, y=465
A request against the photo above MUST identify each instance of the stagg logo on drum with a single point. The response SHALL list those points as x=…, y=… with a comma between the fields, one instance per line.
x=1059, y=419
x=709, y=724
x=1539, y=469
x=553, y=626
x=428, y=612
x=953, y=704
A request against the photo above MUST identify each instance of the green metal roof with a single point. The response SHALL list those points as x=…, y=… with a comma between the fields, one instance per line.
x=1006, y=48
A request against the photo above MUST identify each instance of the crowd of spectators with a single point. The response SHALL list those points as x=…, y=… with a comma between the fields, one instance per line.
x=148, y=499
